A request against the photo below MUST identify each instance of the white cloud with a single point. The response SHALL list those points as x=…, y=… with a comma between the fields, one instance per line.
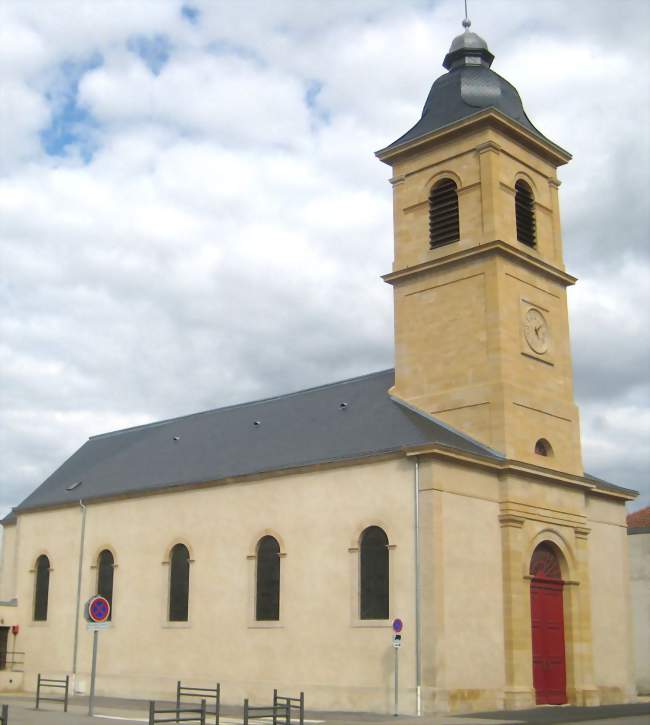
x=224, y=240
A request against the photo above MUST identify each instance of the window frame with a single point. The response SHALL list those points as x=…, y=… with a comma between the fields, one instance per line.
x=251, y=558
x=275, y=581
x=355, y=580
x=444, y=218
x=37, y=584
x=170, y=582
x=525, y=213
x=112, y=567
x=374, y=595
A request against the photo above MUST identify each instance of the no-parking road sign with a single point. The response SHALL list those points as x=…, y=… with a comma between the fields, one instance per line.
x=98, y=609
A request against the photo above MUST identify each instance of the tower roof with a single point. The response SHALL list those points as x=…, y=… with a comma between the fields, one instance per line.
x=470, y=86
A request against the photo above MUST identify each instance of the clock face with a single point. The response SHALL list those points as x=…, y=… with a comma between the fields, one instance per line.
x=536, y=331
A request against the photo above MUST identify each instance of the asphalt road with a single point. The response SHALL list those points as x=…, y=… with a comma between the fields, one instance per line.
x=113, y=711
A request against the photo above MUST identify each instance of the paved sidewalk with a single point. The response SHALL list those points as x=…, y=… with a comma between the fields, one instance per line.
x=119, y=711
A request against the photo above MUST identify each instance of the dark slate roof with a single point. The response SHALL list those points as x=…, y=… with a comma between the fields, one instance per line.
x=304, y=428
x=607, y=486
x=469, y=87
x=10, y=519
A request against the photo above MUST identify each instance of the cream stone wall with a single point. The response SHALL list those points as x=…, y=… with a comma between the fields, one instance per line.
x=613, y=663
x=8, y=563
x=467, y=637
x=639, y=548
x=479, y=527
x=319, y=646
x=48, y=645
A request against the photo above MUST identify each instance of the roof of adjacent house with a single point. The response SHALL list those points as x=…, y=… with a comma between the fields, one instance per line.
x=638, y=522
x=347, y=420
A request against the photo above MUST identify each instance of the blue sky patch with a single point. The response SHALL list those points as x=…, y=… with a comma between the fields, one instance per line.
x=154, y=50
x=191, y=14
x=225, y=47
x=314, y=87
x=71, y=124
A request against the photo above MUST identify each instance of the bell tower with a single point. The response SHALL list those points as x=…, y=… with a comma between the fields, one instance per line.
x=481, y=321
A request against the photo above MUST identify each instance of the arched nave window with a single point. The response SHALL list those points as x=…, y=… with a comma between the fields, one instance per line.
x=267, y=600
x=105, y=566
x=374, y=583
x=179, y=584
x=42, y=587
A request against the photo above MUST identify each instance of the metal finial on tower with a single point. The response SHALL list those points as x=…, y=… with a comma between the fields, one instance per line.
x=466, y=22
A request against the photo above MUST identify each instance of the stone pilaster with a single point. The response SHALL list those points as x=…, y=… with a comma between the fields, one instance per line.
x=518, y=692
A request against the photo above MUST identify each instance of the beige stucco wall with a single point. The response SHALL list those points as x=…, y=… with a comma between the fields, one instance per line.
x=465, y=637
x=639, y=552
x=479, y=528
x=608, y=558
x=7, y=563
x=319, y=645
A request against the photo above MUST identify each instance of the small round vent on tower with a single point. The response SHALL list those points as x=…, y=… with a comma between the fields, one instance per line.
x=444, y=227
x=525, y=213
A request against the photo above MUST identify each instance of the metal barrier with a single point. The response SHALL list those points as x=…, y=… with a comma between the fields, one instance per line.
x=4, y=715
x=203, y=692
x=11, y=660
x=57, y=684
x=186, y=714
x=275, y=710
x=296, y=703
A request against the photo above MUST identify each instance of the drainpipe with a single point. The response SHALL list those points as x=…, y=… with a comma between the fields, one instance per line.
x=418, y=644
x=78, y=611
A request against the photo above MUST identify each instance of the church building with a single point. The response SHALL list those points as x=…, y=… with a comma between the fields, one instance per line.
x=272, y=543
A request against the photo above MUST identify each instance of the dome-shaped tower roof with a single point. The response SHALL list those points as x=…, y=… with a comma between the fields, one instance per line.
x=469, y=86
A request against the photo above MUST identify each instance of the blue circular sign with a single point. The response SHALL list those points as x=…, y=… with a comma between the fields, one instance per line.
x=98, y=609
x=397, y=625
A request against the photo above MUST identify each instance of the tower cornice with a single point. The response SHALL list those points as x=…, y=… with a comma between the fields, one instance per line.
x=489, y=117
x=497, y=247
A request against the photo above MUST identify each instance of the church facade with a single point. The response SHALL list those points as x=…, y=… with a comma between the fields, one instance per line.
x=271, y=544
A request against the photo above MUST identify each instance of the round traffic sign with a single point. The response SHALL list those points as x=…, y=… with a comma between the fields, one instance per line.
x=98, y=609
x=397, y=625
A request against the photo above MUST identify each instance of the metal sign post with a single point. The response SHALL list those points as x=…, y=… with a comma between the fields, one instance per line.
x=93, y=671
x=397, y=643
x=97, y=611
x=396, y=713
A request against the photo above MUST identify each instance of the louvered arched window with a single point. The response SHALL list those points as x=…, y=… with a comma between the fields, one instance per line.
x=267, y=600
x=444, y=226
x=374, y=574
x=179, y=583
x=105, y=566
x=42, y=588
x=525, y=213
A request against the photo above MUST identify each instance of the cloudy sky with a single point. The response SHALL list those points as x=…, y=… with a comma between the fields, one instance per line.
x=191, y=214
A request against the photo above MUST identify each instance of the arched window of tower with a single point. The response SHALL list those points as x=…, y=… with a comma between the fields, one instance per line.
x=525, y=213
x=543, y=448
x=444, y=225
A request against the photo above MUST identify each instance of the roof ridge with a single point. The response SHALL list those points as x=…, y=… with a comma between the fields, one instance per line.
x=165, y=421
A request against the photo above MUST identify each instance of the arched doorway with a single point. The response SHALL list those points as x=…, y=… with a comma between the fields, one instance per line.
x=547, y=620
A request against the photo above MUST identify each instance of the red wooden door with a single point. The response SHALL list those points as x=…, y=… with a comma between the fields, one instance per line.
x=547, y=618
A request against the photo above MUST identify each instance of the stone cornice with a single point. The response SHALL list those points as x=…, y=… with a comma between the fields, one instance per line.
x=489, y=117
x=490, y=248
x=506, y=465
